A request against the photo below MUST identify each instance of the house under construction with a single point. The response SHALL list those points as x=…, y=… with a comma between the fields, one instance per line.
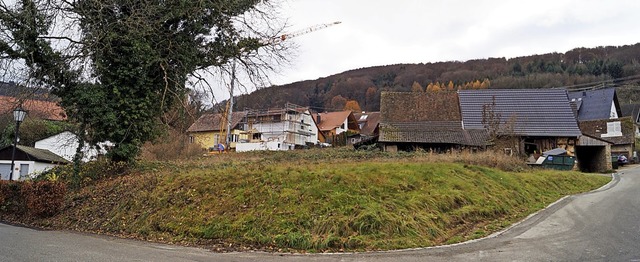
x=278, y=129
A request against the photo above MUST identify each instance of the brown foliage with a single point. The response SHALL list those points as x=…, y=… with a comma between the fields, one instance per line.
x=174, y=145
x=43, y=198
x=353, y=106
x=33, y=198
x=434, y=87
x=10, y=197
x=338, y=102
x=372, y=99
x=416, y=87
x=536, y=71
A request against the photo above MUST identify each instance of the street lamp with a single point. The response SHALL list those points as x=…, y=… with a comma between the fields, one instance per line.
x=18, y=115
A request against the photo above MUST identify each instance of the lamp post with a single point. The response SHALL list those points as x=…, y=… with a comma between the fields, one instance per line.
x=18, y=115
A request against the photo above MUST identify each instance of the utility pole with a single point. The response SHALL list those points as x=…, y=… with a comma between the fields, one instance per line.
x=230, y=111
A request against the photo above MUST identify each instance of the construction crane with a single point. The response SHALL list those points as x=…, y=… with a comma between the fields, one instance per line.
x=283, y=37
x=272, y=41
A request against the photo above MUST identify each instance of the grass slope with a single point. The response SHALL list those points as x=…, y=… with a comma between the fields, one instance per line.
x=295, y=203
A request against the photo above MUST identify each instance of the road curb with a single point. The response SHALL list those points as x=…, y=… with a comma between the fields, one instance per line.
x=615, y=178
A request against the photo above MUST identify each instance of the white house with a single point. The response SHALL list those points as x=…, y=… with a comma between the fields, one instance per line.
x=65, y=144
x=28, y=162
x=278, y=129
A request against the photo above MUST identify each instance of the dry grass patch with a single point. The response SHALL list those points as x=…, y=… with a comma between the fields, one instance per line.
x=318, y=200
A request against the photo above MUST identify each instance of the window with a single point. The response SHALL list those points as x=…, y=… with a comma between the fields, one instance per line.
x=614, y=129
x=508, y=151
x=191, y=140
x=216, y=139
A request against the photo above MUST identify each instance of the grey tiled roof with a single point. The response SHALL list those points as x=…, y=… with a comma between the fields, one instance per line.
x=42, y=155
x=632, y=110
x=531, y=112
x=213, y=122
x=594, y=104
x=433, y=132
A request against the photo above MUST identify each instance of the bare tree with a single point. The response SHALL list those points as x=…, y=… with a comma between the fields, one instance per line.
x=118, y=65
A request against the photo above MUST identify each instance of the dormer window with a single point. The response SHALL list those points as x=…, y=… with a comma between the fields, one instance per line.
x=614, y=129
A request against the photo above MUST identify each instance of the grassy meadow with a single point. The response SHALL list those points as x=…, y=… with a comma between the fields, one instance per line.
x=317, y=200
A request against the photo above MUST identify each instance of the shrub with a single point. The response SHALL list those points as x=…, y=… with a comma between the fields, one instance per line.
x=172, y=146
x=88, y=172
x=10, y=197
x=34, y=198
x=43, y=198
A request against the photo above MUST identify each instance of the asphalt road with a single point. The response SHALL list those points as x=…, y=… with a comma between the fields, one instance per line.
x=599, y=226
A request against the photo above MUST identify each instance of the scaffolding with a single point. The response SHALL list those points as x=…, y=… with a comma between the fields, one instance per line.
x=291, y=125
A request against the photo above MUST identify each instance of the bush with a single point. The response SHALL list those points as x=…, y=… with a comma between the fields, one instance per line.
x=172, y=146
x=43, y=198
x=88, y=172
x=39, y=199
x=10, y=197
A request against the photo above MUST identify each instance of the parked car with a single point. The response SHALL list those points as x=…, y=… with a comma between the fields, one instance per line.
x=622, y=160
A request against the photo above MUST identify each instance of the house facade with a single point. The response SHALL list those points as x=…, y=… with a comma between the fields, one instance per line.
x=536, y=120
x=337, y=127
x=618, y=132
x=211, y=129
x=368, y=123
x=633, y=111
x=66, y=143
x=285, y=128
x=600, y=117
x=29, y=162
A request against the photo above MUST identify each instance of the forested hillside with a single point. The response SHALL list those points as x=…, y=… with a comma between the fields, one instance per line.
x=576, y=68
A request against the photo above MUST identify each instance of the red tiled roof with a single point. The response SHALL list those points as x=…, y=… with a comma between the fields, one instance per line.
x=35, y=108
x=213, y=122
x=331, y=120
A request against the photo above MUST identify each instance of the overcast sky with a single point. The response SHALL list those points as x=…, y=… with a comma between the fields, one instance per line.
x=382, y=32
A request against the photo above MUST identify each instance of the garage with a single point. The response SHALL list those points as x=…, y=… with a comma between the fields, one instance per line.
x=29, y=161
x=593, y=154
